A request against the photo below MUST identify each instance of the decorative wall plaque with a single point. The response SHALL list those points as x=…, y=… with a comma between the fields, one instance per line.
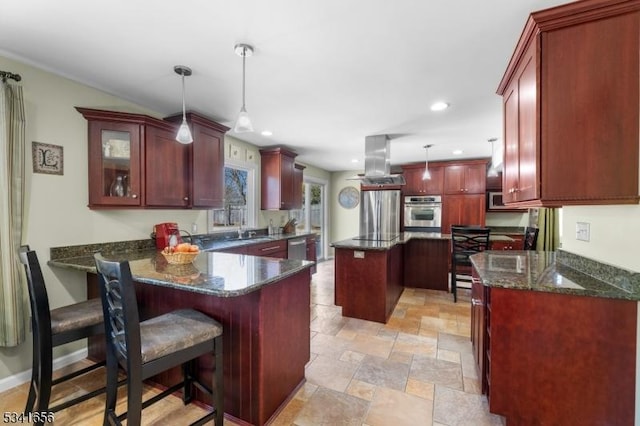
x=47, y=158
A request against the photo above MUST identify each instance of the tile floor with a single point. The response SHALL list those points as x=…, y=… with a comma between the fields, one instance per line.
x=417, y=369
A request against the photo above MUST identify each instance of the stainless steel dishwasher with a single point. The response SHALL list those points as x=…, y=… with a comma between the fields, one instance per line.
x=297, y=248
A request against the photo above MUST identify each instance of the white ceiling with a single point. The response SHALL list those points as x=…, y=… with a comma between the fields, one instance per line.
x=325, y=73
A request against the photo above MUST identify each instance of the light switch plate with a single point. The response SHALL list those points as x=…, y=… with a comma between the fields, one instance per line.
x=583, y=231
x=358, y=254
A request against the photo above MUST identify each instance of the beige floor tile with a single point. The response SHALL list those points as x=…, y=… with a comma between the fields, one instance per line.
x=447, y=355
x=362, y=390
x=372, y=345
x=330, y=373
x=328, y=407
x=392, y=407
x=421, y=389
x=329, y=345
x=383, y=373
x=416, y=344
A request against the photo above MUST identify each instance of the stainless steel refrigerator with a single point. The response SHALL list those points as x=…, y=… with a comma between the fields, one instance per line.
x=380, y=214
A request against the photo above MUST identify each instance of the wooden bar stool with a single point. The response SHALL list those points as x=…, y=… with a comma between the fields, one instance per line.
x=144, y=349
x=52, y=328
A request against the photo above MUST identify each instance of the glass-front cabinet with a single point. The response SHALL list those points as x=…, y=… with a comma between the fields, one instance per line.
x=114, y=164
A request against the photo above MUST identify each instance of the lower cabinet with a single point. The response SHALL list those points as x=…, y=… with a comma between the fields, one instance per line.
x=368, y=283
x=555, y=359
x=463, y=210
x=516, y=244
x=270, y=249
x=311, y=251
x=425, y=264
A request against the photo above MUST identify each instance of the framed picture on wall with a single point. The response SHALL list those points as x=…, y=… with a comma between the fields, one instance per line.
x=47, y=158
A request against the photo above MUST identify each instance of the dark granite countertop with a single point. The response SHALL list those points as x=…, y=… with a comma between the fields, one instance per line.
x=212, y=273
x=404, y=238
x=555, y=272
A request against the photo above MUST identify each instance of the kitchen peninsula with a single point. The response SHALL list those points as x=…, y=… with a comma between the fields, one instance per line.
x=554, y=337
x=263, y=304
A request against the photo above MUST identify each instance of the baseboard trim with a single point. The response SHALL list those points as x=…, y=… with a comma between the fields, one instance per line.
x=23, y=377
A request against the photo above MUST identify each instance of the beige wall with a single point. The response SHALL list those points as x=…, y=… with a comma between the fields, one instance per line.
x=56, y=206
x=344, y=222
x=614, y=234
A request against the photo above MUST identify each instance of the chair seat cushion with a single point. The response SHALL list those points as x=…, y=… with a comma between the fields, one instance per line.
x=168, y=333
x=76, y=316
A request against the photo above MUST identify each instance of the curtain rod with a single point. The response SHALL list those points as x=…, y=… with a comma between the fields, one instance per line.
x=4, y=75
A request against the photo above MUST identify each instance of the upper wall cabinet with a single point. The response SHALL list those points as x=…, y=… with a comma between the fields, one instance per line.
x=134, y=161
x=571, y=107
x=206, y=158
x=281, y=183
x=465, y=177
x=415, y=185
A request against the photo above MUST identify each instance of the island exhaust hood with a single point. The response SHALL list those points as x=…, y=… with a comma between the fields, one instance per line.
x=377, y=163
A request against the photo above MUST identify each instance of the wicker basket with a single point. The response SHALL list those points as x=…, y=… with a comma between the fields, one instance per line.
x=180, y=258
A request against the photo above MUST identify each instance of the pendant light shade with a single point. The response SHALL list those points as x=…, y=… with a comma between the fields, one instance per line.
x=184, y=133
x=427, y=174
x=243, y=122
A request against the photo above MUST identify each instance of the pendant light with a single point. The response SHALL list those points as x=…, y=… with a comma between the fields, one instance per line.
x=243, y=123
x=427, y=174
x=493, y=171
x=184, y=133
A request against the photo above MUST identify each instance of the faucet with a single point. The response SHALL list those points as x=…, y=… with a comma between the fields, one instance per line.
x=240, y=232
x=251, y=234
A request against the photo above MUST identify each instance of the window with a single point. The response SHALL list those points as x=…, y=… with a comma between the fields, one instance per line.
x=239, y=199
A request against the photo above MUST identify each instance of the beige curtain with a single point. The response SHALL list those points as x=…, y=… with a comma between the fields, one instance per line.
x=548, y=229
x=14, y=308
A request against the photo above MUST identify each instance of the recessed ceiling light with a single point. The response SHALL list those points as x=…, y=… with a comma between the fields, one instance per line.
x=439, y=106
x=355, y=160
x=267, y=133
x=457, y=151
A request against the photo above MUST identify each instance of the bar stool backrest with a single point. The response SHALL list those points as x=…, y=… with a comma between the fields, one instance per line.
x=38, y=300
x=468, y=240
x=530, y=238
x=119, y=304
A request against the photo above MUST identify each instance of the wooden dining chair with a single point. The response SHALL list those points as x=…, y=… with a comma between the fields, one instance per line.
x=144, y=349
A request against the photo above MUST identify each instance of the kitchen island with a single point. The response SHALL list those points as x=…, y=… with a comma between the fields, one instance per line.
x=262, y=303
x=370, y=275
x=554, y=337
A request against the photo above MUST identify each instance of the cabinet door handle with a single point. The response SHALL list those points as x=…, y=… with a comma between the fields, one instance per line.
x=186, y=198
x=476, y=302
x=270, y=248
x=134, y=195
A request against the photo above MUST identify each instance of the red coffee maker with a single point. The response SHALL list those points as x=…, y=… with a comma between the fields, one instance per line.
x=167, y=234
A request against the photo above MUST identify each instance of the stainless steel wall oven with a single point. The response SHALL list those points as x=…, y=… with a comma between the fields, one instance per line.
x=423, y=213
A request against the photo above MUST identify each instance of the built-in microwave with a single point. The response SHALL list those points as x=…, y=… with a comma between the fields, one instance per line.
x=494, y=201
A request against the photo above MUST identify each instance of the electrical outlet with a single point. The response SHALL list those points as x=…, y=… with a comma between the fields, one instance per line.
x=194, y=228
x=583, y=232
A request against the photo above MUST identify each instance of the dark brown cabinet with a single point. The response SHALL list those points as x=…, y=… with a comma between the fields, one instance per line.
x=311, y=251
x=571, y=110
x=115, y=166
x=535, y=372
x=279, y=190
x=463, y=210
x=298, y=176
x=134, y=161
x=469, y=177
x=166, y=170
x=464, y=202
x=516, y=244
x=270, y=249
x=425, y=264
x=206, y=158
x=479, y=335
x=416, y=186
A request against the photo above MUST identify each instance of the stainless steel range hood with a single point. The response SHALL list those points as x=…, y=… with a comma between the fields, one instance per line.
x=377, y=163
